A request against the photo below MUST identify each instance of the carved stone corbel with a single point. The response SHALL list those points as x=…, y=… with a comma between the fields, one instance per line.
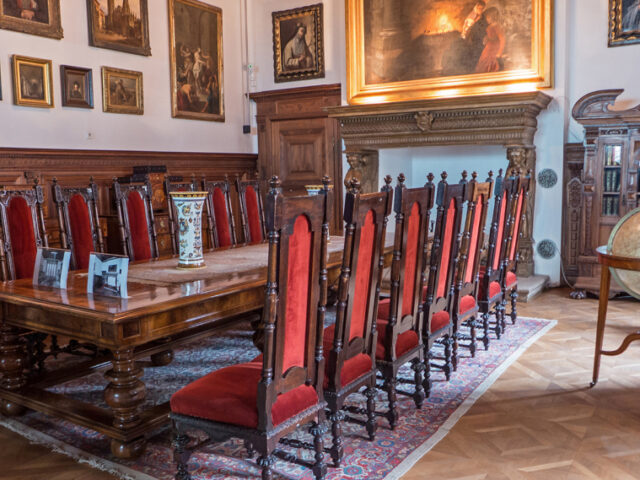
x=364, y=165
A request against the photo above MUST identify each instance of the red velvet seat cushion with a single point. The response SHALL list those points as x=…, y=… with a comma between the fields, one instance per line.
x=222, y=220
x=229, y=395
x=466, y=303
x=352, y=369
x=23, y=238
x=81, y=232
x=494, y=289
x=253, y=215
x=439, y=320
x=138, y=225
x=511, y=279
x=405, y=341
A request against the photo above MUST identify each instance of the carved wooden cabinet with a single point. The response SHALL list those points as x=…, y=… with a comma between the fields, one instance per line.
x=299, y=142
x=604, y=187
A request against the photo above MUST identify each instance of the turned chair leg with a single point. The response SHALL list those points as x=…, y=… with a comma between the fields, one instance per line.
x=370, y=393
x=427, y=374
x=454, y=353
x=392, y=413
x=319, y=467
x=418, y=377
x=485, y=329
x=474, y=339
x=514, y=301
x=181, y=455
x=447, y=367
x=499, y=314
x=337, y=450
x=266, y=461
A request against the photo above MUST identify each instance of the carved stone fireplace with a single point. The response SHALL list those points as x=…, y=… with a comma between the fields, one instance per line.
x=507, y=119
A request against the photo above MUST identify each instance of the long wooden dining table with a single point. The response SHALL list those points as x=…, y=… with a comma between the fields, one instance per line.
x=165, y=307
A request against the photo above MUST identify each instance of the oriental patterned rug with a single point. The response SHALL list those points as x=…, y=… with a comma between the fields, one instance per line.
x=391, y=455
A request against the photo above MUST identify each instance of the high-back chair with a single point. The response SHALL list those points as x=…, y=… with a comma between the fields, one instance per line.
x=264, y=400
x=490, y=294
x=221, y=227
x=466, y=283
x=135, y=219
x=251, y=210
x=171, y=186
x=350, y=343
x=439, y=294
x=23, y=230
x=519, y=185
x=78, y=221
x=399, y=317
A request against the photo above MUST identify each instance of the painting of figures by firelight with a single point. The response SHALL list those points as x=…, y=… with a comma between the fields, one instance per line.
x=31, y=10
x=37, y=17
x=428, y=39
x=119, y=25
x=196, y=60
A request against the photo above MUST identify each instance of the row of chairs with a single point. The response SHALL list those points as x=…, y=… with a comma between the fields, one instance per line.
x=23, y=226
x=308, y=370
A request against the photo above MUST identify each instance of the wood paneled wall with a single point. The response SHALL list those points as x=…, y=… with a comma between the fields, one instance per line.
x=75, y=167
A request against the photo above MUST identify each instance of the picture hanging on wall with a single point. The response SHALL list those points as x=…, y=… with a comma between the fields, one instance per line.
x=298, y=44
x=122, y=91
x=32, y=82
x=37, y=17
x=196, y=60
x=624, y=22
x=399, y=50
x=77, y=86
x=119, y=25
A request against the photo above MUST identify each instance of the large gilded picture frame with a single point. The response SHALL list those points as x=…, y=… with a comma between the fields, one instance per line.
x=399, y=50
x=624, y=22
x=119, y=25
x=195, y=56
x=122, y=91
x=32, y=82
x=41, y=17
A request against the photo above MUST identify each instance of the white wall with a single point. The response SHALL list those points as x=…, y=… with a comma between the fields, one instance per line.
x=64, y=127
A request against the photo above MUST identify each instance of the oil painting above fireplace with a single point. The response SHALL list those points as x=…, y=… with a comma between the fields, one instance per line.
x=402, y=50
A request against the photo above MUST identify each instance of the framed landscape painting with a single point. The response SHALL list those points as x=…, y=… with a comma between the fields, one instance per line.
x=624, y=22
x=32, y=82
x=119, y=25
x=399, y=50
x=122, y=91
x=196, y=60
x=298, y=45
x=37, y=17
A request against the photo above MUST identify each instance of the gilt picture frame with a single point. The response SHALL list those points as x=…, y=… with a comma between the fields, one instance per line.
x=298, y=44
x=624, y=22
x=38, y=17
x=122, y=91
x=77, y=86
x=32, y=82
x=196, y=61
x=430, y=49
x=121, y=25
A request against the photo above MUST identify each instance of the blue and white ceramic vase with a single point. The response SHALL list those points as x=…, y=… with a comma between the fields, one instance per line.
x=189, y=216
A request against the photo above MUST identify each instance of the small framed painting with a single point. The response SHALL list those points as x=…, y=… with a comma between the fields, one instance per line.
x=195, y=55
x=624, y=22
x=51, y=267
x=122, y=91
x=121, y=25
x=32, y=84
x=298, y=44
x=77, y=86
x=37, y=17
x=107, y=274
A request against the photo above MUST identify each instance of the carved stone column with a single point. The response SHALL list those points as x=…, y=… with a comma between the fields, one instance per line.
x=364, y=165
x=524, y=159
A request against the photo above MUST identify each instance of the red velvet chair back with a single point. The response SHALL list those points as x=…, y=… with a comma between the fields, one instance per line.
x=135, y=219
x=78, y=221
x=444, y=251
x=412, y=207
x=478, y=195
x=220, y=224
x=293, y=315
x=172, y=184
x=23, y=230
x=519, y=185
x=251, y=210
x=365, y=216
x=496, y=246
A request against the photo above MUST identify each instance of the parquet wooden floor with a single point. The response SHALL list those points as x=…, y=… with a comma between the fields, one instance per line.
x=539, y=420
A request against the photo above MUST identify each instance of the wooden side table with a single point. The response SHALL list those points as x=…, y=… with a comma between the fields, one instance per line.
x=607, y=260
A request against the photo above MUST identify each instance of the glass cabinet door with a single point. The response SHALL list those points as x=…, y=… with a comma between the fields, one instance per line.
x=612, y=180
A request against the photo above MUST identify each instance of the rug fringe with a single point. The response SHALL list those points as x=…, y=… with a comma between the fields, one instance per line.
x=38, y=438
x=411, y=459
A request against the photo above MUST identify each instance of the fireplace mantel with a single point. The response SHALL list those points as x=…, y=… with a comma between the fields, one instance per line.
x=508, y=119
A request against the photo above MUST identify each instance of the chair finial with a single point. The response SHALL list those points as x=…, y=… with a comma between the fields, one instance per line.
x=401, y=179
x=444, y=176
x=529, y=172
x=36, y=181
x=54, y=180
x=474, y=175
x=490, y=173
x=275, y=183
x=464, y=175
x=354, y=186
x=500, y=172
x=326, y=181
x=387, y=180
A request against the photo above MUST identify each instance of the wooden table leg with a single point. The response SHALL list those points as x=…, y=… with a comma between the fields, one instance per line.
x=124, y=394
x=13, y=363
x=605, y=282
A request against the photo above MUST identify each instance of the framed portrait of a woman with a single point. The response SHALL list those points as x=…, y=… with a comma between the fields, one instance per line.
x=399, y=50
x=37, y=17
